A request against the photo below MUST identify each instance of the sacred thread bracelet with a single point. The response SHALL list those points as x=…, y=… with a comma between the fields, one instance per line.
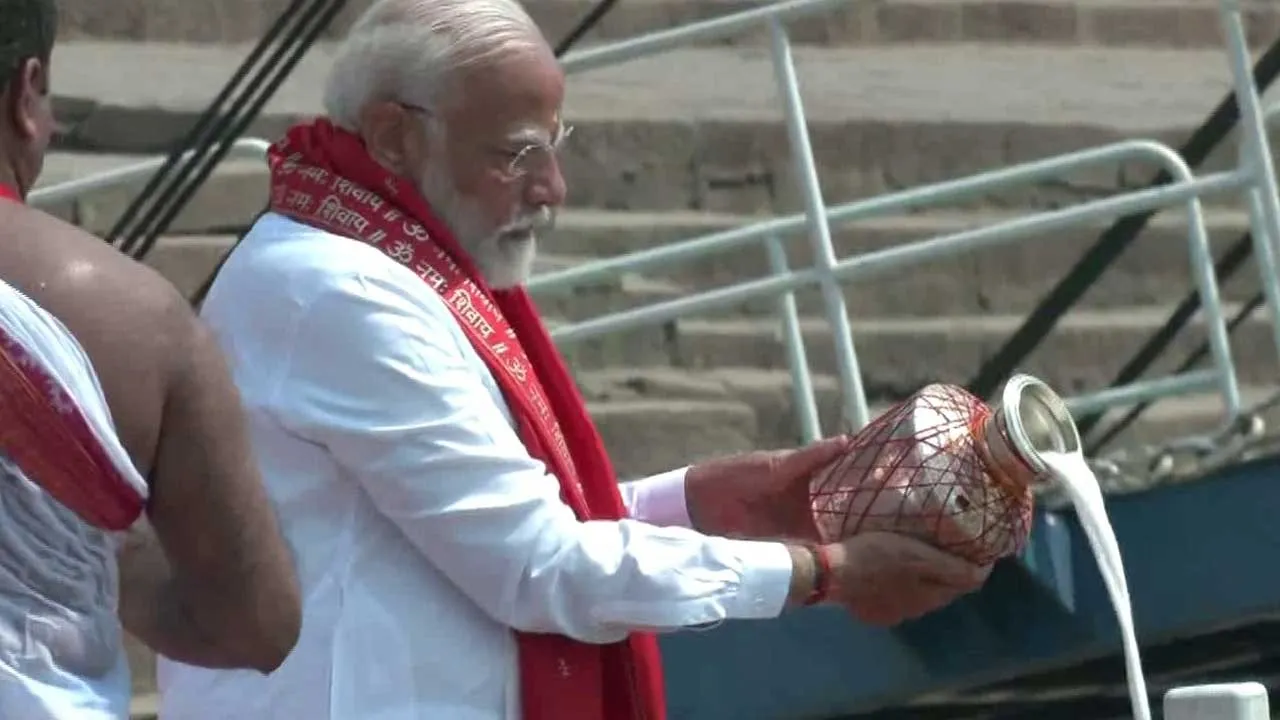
x=821, y=575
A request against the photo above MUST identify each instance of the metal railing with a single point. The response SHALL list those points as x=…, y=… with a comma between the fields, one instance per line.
x=1262, y=207
x=141, y=172
x=618, y=52
x=878, y=262
x=242, y=149
x=773, y=16
x=1254, y=176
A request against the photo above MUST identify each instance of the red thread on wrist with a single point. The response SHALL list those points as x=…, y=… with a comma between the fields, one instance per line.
x=821, y=575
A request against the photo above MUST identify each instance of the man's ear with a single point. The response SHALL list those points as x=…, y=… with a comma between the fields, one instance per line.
x=390, y=133
x=26, y=96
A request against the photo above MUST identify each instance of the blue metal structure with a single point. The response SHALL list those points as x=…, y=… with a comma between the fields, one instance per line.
x=1200, y=561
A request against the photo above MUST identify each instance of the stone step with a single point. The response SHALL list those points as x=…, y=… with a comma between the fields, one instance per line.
x=621, y=292
x=1127, y=23
x=188, y=260
x=898, y=355
x=668, y=133
x=1009, y=279
x=1118, y=23
x=769, y=395
x=234, y=194
x=651, y=435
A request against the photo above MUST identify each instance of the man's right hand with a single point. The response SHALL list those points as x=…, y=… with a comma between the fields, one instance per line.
x=885, y=578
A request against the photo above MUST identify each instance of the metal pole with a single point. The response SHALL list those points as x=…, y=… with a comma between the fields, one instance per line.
x=1255, y=147
x=1206, y=280
x=855, y=399
x=802, y=398
x=1264, y=249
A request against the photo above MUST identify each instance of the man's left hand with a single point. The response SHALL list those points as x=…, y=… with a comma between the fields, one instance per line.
x=759, y=495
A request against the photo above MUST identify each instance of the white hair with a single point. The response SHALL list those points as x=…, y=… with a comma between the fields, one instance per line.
x=409, y=50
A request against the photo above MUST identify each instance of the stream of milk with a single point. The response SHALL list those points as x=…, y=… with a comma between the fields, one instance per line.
x=1080, y=484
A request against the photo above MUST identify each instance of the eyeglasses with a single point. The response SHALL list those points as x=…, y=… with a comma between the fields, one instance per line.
x=535, y=159
x=531, y=159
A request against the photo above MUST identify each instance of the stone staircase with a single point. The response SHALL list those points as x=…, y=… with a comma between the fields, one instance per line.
x=899, y=93
x=1119, y=23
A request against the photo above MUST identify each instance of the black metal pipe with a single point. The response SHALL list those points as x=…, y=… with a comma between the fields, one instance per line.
x=198, y=135
x=282, y=65
x=1113, y=242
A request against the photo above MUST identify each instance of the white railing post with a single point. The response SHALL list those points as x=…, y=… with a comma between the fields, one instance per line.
x=1233, y=701
x=1255, y=156
x=802, y=397
x=855, y=398
x=1206, y=279
x=1253, y=124
x=1264, y=250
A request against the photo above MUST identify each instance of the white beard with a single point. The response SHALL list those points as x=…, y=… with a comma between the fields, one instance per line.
x=503, y=256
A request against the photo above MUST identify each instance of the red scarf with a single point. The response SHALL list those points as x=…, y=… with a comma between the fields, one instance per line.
x=323, y=176
x=45, y=434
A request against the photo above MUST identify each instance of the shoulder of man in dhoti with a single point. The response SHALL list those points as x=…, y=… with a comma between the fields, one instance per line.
x=55, y=425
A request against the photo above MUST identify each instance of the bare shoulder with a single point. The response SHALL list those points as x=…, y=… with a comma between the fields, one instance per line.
x=137, y=330
x=97, y=290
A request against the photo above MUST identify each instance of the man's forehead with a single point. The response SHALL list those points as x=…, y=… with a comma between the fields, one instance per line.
x=526, y=88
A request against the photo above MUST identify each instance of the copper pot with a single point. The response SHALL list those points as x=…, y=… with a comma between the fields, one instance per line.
x=945, y=467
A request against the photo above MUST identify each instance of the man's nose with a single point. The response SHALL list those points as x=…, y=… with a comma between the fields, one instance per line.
x=547, y=187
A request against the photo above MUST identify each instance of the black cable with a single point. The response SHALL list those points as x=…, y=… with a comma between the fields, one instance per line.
x=199, y=131
x=1226, y=266
x=589, y=21
x=157, y=200
x=1195, y=358
x=222, y=133
x=1114, y=241
x=281, y=68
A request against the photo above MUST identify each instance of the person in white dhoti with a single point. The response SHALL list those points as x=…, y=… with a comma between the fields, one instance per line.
x=107, y=378
x=59, y=638
x=464, y=547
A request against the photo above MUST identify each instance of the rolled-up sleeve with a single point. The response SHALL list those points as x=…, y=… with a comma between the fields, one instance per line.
x=388, y=386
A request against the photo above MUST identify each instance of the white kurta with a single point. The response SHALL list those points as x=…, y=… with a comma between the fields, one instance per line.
x=422, y=529
x=61, y=651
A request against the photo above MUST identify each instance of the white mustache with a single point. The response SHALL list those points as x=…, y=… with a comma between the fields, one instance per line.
x=544, y=218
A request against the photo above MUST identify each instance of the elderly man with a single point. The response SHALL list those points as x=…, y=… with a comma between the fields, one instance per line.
x=107, y=377
x=464, y=547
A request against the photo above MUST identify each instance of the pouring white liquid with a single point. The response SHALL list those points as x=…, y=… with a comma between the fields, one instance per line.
x=1080, y=484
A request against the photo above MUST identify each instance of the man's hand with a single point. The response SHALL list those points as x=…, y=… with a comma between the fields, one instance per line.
x=759, y=495
x=885, y=579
